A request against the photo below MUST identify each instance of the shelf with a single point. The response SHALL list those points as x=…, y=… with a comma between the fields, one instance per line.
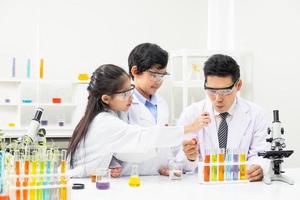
x=48, y=105
x=10, y=81
x=51, y=131
x=9, y=104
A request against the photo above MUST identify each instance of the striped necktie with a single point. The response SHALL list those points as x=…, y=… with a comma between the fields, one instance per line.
x=223, y=131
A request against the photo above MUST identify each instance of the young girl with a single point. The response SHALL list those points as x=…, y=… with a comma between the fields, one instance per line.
x=103, y=132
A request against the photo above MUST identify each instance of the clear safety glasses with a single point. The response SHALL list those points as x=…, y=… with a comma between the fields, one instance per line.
x=124, y=95
x=156, y=76
x=220, y=91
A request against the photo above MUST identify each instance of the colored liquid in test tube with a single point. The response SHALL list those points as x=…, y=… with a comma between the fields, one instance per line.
x=243, y=165
x=235, y=167
x=46, y=193
x=221, y=164
x=17, y=172
x=228, y=160
x=32, y=183
x=42, y=171
x=26, y=172
x=214, y=167
x=1, y=171
x=206, y=169
x=63, y=179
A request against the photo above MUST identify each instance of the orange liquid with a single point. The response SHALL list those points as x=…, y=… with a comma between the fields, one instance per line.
x=206, y=169
x=221, y=167
x=63, y=167
x=25, y=192
x=93, y=178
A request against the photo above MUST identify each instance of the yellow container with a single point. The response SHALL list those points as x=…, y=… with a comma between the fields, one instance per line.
x=83, y=77
x=11, y=124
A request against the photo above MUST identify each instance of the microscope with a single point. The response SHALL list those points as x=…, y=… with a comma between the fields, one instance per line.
x=277, y=153
x=35, y=134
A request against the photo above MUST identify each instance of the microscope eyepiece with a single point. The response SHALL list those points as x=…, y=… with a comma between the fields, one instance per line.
x=276, y=116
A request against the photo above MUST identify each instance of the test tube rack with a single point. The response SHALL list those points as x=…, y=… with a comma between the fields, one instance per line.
x=223, y=168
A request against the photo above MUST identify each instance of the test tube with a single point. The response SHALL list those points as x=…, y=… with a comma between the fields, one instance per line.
x=28, y=68
x=235, y=167
x=32, y=192
x=228, y=160
x=41, y=68
x=55, y=192
x=1, y=172
x=206, y=169
x=214, y=168
x=46, y=193
x=242, y=165
x=41, y=157
x=17, y=172
x=221, y=164
x=26, y=172
x=63, y=179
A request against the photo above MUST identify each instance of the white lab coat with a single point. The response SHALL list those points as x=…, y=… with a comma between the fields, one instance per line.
x=108, y=135
x=151, y=161
x=247, y=130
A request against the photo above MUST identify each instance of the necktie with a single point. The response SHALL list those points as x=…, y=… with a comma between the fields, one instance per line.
x=223, y=131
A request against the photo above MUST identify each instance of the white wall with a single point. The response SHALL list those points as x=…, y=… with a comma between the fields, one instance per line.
x=76, y=36
x=271, y=30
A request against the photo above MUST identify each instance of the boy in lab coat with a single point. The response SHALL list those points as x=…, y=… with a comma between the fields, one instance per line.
x=228, y=121
x=148, y=68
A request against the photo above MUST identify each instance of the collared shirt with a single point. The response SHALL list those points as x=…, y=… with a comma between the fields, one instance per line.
x=151, y=104
x=228, y=118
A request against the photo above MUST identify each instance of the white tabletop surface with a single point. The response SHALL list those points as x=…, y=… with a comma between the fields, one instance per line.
x=160, y=187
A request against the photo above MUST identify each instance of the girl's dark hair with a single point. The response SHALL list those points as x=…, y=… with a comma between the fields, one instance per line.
x=221, y=65
x=107, y=79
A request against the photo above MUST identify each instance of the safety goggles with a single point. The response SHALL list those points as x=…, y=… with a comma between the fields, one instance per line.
x=220, y=91
x=124, y=95
x=156, y=76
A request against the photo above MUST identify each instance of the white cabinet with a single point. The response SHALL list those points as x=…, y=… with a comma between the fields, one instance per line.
x=187, y=77
x=63, y=103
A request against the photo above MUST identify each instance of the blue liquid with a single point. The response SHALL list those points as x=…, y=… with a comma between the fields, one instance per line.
x=228, y=174
x=28, y=68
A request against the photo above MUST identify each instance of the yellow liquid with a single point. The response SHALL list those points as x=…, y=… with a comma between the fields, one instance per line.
x=243, y=157
x=243, y=172
x=32, y=192
x=134, y=181
x=63, y=190
x=63, y=166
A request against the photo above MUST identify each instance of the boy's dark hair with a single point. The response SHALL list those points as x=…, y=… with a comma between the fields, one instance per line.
x=221, y=65
x=145, y=55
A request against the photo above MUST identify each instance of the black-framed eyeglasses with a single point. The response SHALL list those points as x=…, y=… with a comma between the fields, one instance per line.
x=221, y=91
x=125, y=94
x=157, y=76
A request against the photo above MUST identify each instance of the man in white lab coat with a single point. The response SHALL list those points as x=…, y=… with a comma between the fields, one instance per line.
x=147, y=66
x=229, y=121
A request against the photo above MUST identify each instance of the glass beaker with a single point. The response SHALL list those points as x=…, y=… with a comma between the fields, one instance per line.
x=102, y=179
x=175, y=169
x=134, y=180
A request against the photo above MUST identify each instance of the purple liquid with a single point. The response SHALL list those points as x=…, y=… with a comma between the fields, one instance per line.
x=102, y=185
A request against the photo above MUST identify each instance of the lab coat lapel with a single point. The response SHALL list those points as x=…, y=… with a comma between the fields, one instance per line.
x=238, y=125
x=144, y=113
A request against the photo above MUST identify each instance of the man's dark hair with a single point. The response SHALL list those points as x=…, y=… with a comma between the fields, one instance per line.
x=145, y=56
x=221, y=65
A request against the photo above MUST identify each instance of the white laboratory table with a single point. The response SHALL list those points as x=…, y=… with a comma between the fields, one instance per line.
x=160, y=187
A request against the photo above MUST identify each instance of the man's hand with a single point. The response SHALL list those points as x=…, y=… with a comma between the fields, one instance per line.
x=190, y=148
x=115, y=172
x=255, y=173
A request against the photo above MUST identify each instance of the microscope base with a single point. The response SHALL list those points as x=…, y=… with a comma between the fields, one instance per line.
x=269, y=178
